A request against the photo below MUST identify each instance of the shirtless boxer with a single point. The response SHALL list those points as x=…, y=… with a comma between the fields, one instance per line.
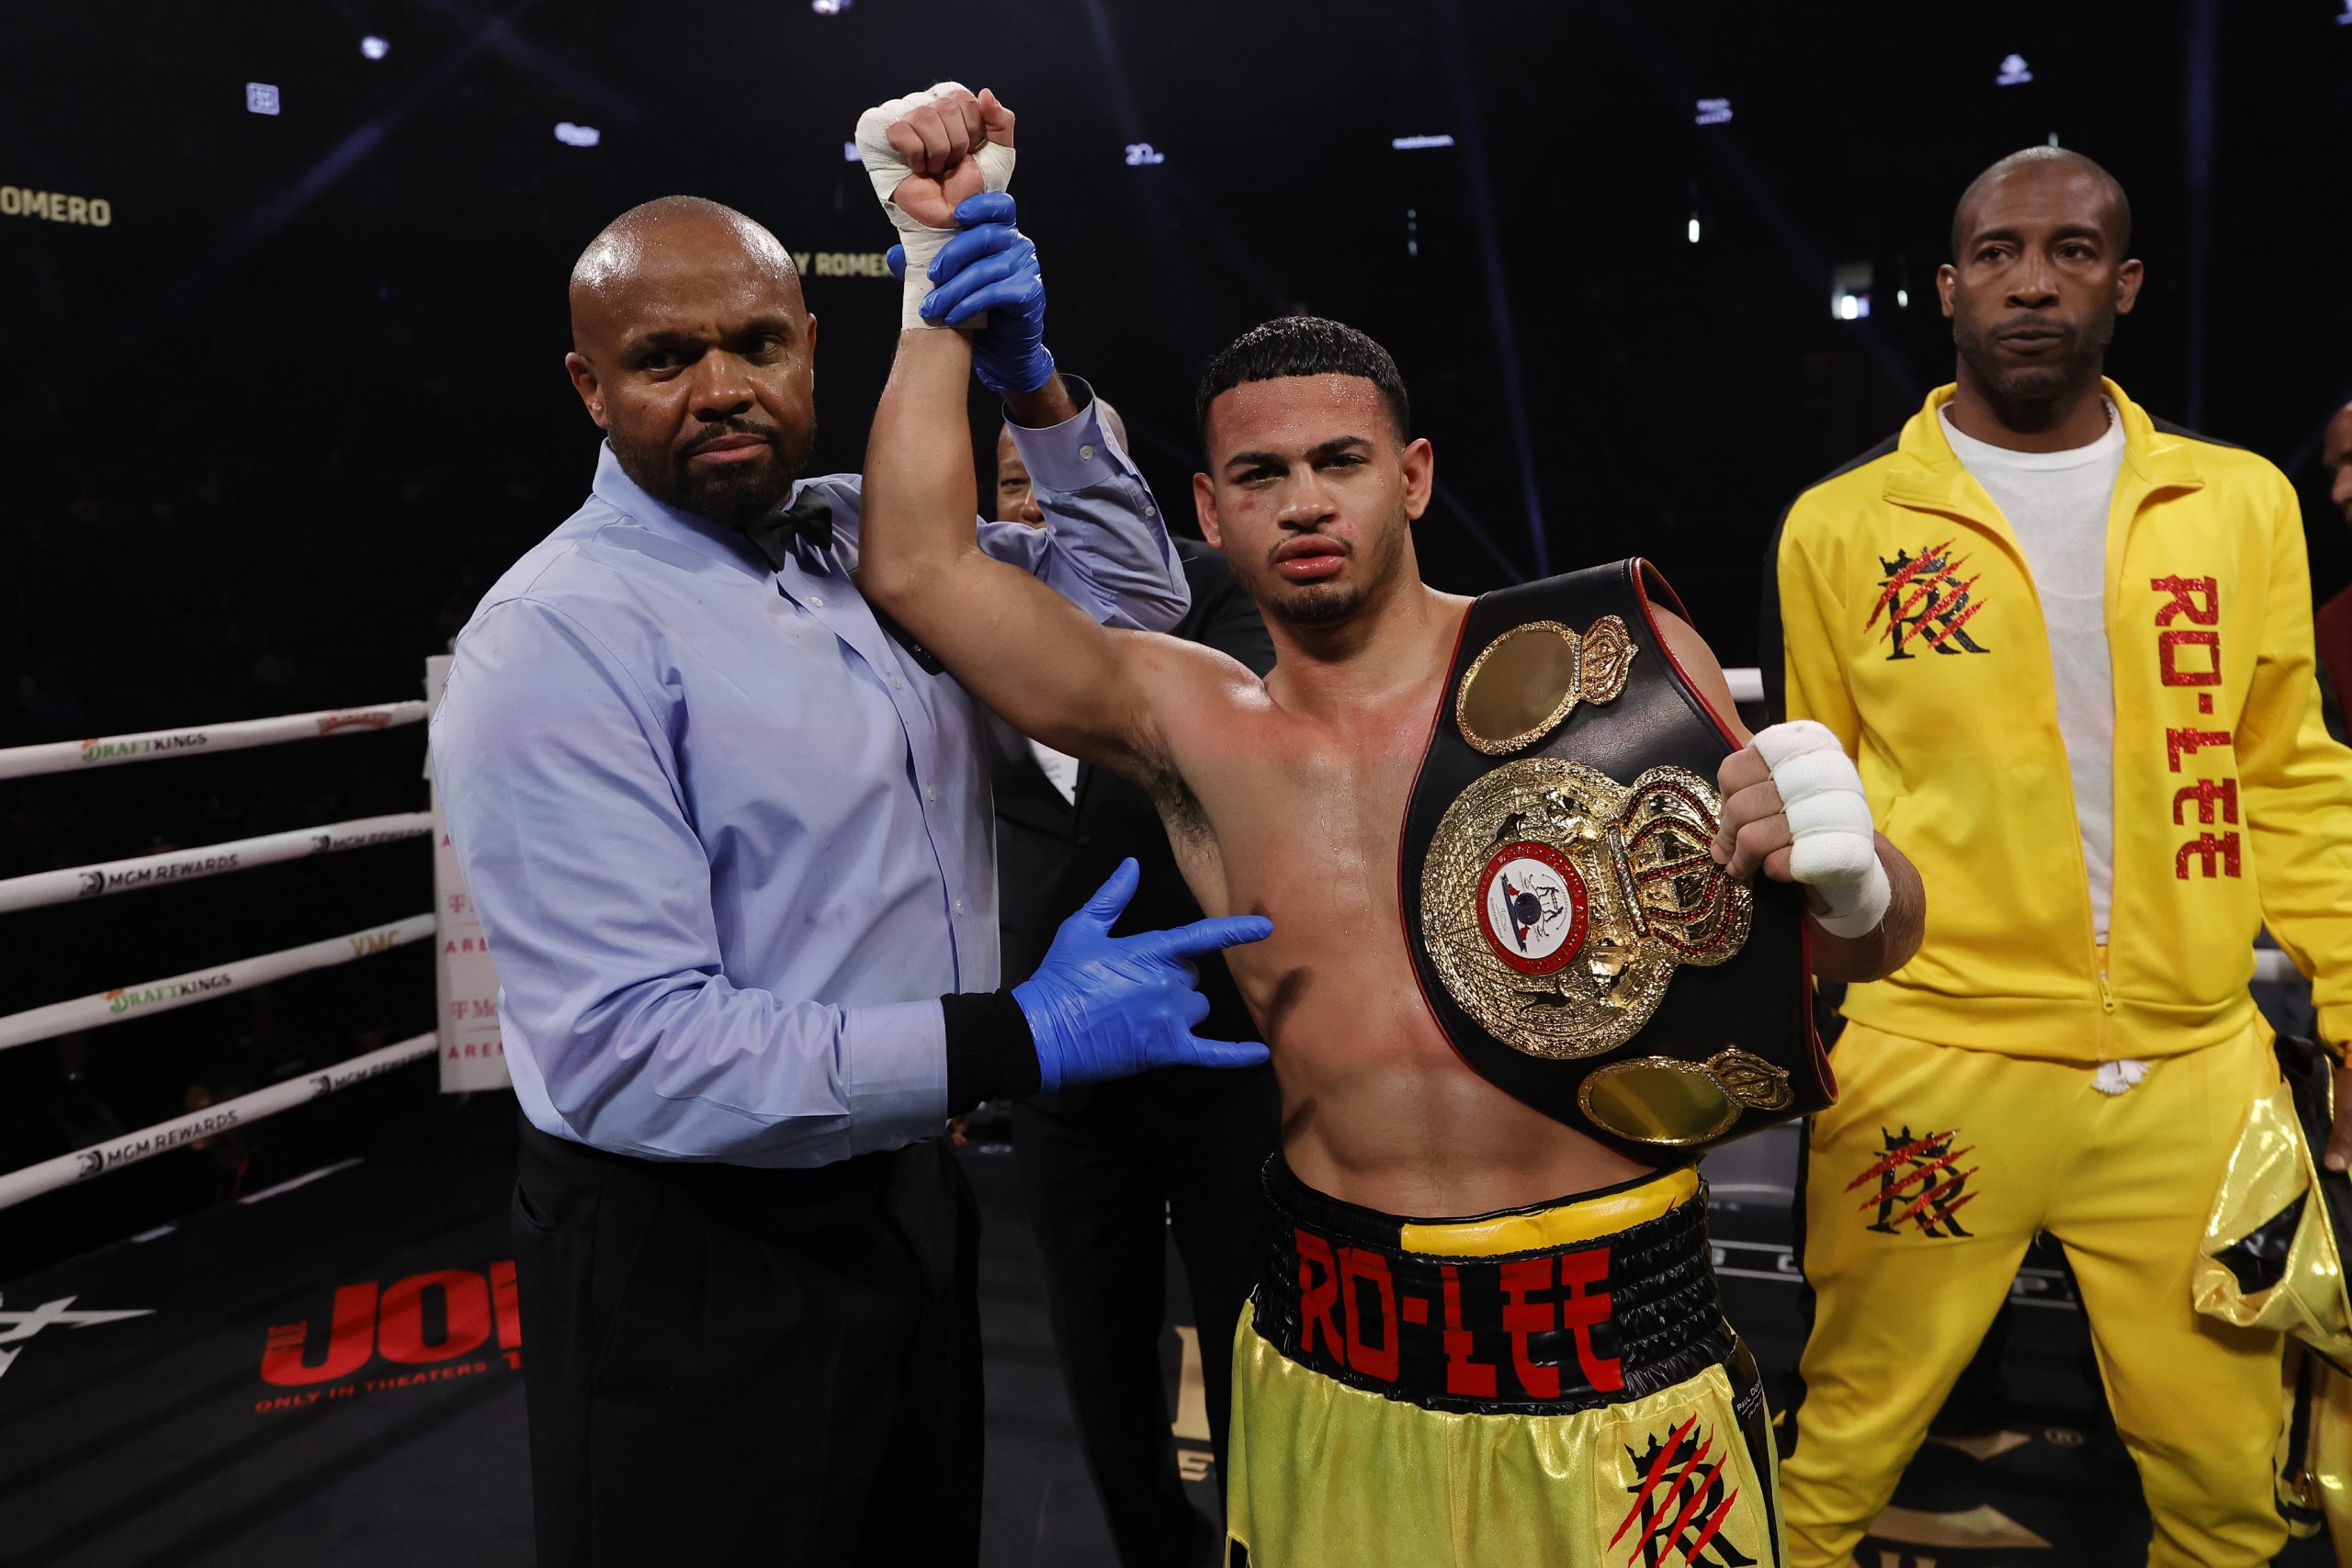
x=1613, y=1404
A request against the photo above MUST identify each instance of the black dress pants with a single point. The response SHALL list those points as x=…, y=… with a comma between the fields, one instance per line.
x=725, y=1365
x=1104, y=1182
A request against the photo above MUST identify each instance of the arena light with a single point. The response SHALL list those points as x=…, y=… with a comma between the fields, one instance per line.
x=1140, y=153
x=2346, y=20
x=830, y=7
x=375, y=48
x=1694, y=228
x=1849, y=291
x=1713, y=111
x=850, y=154
x=261, y=97
x=1412, y=230
x=1419, y=143
x=573, y=135
x=1903, y=298
x=2015, y=73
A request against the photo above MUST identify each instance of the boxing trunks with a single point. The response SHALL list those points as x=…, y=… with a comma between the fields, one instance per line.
x=1571, y=934
x=1551, y=1385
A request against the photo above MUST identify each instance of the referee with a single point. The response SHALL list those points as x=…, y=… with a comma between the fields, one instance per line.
x=728, y=834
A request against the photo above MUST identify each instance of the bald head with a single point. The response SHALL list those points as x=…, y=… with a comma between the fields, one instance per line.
x=2113, y=208
x=663, y=238
x=695, y=354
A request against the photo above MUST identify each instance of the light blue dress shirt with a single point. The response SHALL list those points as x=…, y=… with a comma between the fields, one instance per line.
x=728, y=840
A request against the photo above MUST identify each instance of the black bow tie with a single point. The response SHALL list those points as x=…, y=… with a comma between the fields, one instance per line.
x=809, y=517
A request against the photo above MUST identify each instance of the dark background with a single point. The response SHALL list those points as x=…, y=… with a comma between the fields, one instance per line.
x=270, y=434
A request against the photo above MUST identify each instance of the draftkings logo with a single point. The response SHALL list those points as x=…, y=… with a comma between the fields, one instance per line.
x=1916, y=1184
x=1926, y=603
x=15, y=1327
x=1681, y=1501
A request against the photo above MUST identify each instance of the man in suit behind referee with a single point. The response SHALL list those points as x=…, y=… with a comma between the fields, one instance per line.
x=1100, y=1164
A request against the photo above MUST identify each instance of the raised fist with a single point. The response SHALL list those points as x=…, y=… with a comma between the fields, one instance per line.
x=935, y=149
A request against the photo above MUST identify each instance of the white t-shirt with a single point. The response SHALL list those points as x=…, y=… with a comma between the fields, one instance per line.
x=1061, y=768
x=2056, y=503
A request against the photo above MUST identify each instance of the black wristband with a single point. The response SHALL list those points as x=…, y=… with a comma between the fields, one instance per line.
x=989, y=1049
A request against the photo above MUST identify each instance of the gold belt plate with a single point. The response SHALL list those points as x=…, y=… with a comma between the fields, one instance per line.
x=1556, y=903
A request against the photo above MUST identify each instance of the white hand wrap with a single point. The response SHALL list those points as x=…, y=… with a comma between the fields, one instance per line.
x=1829, y=820
x=886, y=169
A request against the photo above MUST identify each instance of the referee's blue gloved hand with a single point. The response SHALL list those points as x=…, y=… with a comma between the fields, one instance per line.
x=991, y=266
x=1104, y=1007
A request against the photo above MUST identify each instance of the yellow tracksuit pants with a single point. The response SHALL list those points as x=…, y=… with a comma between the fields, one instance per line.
x=1925, y=1182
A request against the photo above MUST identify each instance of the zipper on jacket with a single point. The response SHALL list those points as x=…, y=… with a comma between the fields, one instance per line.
x=2003, y=534
x=2106, y=1011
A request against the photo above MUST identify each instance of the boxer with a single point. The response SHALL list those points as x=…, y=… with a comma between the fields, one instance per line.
x=1562, y=1293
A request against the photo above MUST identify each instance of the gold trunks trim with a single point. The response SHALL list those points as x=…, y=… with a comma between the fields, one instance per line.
x=1556, y=903
x=1527, y=680
x=1562, y=1224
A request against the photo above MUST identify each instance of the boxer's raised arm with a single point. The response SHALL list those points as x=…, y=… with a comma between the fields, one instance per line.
x=1020, y=647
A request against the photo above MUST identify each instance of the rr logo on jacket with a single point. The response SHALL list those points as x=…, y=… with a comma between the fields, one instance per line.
x=1926, y=603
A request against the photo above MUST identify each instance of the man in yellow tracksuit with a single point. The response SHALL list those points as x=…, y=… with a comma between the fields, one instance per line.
x=2071, y=650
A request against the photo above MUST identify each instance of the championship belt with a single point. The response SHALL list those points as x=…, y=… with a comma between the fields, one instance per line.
x=1573, y=936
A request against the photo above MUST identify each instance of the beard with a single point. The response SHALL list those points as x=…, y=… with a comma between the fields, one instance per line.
x=2076, y=366
x=1319, y=604
x=733, y=494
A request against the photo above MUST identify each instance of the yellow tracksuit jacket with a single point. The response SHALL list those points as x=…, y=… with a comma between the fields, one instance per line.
x=1911, y=629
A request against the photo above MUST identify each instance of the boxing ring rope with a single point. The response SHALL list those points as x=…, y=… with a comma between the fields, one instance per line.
x=46, y=888
x=210, y=860
x=202, y=984
x=153, y=745
x=465, y=965
x=148, y=1141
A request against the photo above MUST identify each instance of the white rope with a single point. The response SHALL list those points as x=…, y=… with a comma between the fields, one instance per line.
x=148, y=1141
x=1747, y=684
x=44, y=888
x=70, y=756
x=162, y=996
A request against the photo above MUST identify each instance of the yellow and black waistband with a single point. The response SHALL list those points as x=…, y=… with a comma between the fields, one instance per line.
x=1567, y=1306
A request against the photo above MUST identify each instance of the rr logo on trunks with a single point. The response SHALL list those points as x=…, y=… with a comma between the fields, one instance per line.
x=1557, y=903
x=1683, y=1501
x=1916, y=1184
x=1927, y=603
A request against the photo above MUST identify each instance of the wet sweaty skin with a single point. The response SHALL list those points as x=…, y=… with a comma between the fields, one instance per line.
x=1292, y=803
x=1300, y=818
x=691, y=342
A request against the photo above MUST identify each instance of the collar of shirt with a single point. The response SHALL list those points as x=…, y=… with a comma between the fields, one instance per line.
x=812, y=579
x=715, y=539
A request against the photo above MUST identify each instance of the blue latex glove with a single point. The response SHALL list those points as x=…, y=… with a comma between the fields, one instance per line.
x=991, y=266
x=1107, y=1006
